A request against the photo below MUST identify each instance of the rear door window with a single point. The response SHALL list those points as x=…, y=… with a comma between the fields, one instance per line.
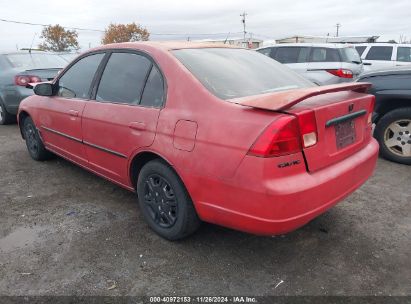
x=292, y=54
x=379, y=53
x=404, y=54
x=123, y=78
x=319, y=54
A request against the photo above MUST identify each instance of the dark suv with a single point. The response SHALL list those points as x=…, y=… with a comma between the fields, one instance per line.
x=392, y=89
x=17, y=69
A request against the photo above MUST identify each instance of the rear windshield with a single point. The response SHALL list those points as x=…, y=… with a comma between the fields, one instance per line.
x=36, y=61
x=232, y=73
x=350, y=55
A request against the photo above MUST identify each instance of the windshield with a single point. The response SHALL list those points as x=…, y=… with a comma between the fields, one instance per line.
x=231, y=73
x=351, y=55
x=36, y=61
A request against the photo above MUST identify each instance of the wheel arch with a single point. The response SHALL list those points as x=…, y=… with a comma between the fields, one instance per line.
x=142, y=158
x=391, y=104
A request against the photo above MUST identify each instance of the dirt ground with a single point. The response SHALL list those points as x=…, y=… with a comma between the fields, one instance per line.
x=65, y=231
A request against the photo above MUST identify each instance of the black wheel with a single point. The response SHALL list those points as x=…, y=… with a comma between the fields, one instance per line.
x=34, y=144
x=393, y=132
x=164, y=201
x=5, y=117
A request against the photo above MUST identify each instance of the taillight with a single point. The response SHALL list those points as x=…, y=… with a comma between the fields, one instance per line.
x=286, y=135
x=342, y=73
x=23, y=80
x=371, y=110
x=308, y=128
x=282, y=137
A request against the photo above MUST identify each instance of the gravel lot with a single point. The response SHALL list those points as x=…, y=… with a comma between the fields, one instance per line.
x=65, y=231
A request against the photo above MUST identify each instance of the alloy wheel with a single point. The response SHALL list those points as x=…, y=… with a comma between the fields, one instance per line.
x=397, y=137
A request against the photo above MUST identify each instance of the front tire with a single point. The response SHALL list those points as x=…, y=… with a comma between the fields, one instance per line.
x=34, y=144
x=5, y=117
x=393, y=132
x=164, y=201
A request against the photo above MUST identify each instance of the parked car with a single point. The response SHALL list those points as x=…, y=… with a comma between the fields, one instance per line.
x=206, y=132
x=392, y=114
x=17, y=69
x=378, y=56
x=69, y=56
x=322, y=63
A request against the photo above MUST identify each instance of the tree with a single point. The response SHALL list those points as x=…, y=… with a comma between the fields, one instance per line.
x=57, y=39
x=124, y=33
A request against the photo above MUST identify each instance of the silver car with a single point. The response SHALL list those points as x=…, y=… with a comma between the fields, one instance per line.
x=378, y=56
x=322, y=63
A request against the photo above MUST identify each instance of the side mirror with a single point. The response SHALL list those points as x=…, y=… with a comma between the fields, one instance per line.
x=43, y=89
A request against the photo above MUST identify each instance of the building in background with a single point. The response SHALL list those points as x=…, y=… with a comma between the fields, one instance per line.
x=250, y=43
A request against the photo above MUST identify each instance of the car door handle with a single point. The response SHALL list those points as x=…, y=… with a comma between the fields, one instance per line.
x=137, y=125
x=73, y=113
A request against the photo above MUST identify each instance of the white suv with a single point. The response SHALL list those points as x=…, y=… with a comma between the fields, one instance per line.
x=378, y=56
x=322, y=63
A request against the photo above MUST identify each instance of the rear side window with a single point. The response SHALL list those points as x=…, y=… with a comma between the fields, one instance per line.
x=76, y=82
x=379, y=53
x=350, y=55
x=404, y=54
x=123, y=78
x=153, y=95
x=324, y=55
x=291, y=54
x=360, y=49
x=265, y=51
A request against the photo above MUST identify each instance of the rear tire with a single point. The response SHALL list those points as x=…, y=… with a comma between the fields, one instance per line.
x=164, y=201
x=5, y=117
x=393, y=132
x=34, y=144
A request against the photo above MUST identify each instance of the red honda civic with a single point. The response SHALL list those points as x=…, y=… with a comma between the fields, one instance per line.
x=206, y=133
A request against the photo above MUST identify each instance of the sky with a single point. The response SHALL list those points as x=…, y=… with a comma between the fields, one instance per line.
x=202, y=19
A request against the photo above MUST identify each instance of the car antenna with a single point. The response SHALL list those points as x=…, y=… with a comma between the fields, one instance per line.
x=32, y=41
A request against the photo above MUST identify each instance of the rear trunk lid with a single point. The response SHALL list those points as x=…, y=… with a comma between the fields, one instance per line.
x=341, y=114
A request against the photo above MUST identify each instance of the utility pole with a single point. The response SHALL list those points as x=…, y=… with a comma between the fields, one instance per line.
x=338, y=25
x=244, y=14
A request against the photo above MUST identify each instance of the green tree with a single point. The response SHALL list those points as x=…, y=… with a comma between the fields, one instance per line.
x=58, y=39
x=116, y=33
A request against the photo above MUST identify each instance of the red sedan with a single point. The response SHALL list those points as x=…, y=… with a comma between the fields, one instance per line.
x=206, y=133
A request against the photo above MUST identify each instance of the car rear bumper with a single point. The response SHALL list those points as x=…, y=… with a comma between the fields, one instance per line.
x=13, y=96
x=270, y=205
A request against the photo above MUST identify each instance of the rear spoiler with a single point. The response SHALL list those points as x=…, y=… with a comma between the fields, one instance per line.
x=286, y=99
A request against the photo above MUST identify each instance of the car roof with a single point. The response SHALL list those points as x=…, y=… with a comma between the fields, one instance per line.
x=25, y=52
x=388, y=71
x=382, y=44
x=324, y=45
x=166, y=45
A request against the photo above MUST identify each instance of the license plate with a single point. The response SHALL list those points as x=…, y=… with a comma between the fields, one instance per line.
x=345, y=134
